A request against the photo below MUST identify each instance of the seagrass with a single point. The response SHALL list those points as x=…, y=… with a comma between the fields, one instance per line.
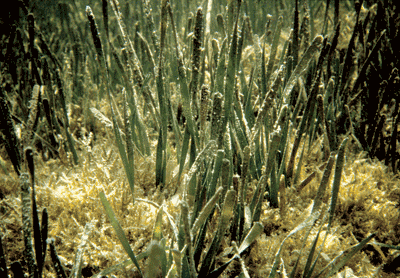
x=55, y=260
x=3, y=265
x=188, y=238
x=32, y=49
x=8, y=131
x=151, y=25
x=221, y=24
x=161, y=156
x=147, y=49
x=95, y=33
x=77, y=268
x=38, y=264
x=131, y=53
x=32, y=117
x=220, y=193
x=104, y=5
x=296, y=39
x=204, y=101
x=27, y=222
x=66, y=121
x=187, y=108
x=304, y=32
x=128, y=133
x=271, y=59
x=230, y=83
x=196, y=56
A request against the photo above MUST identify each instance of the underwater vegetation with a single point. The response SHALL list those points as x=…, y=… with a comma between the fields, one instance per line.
x=199, y=138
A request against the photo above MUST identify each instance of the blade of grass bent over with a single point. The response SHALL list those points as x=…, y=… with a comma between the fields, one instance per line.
x=352, y=251
x=118, y=229
x=254, y=233
x=308, y=222
x=208, y=208
x=301, y=67
x=119, y=266
x=188, y=186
